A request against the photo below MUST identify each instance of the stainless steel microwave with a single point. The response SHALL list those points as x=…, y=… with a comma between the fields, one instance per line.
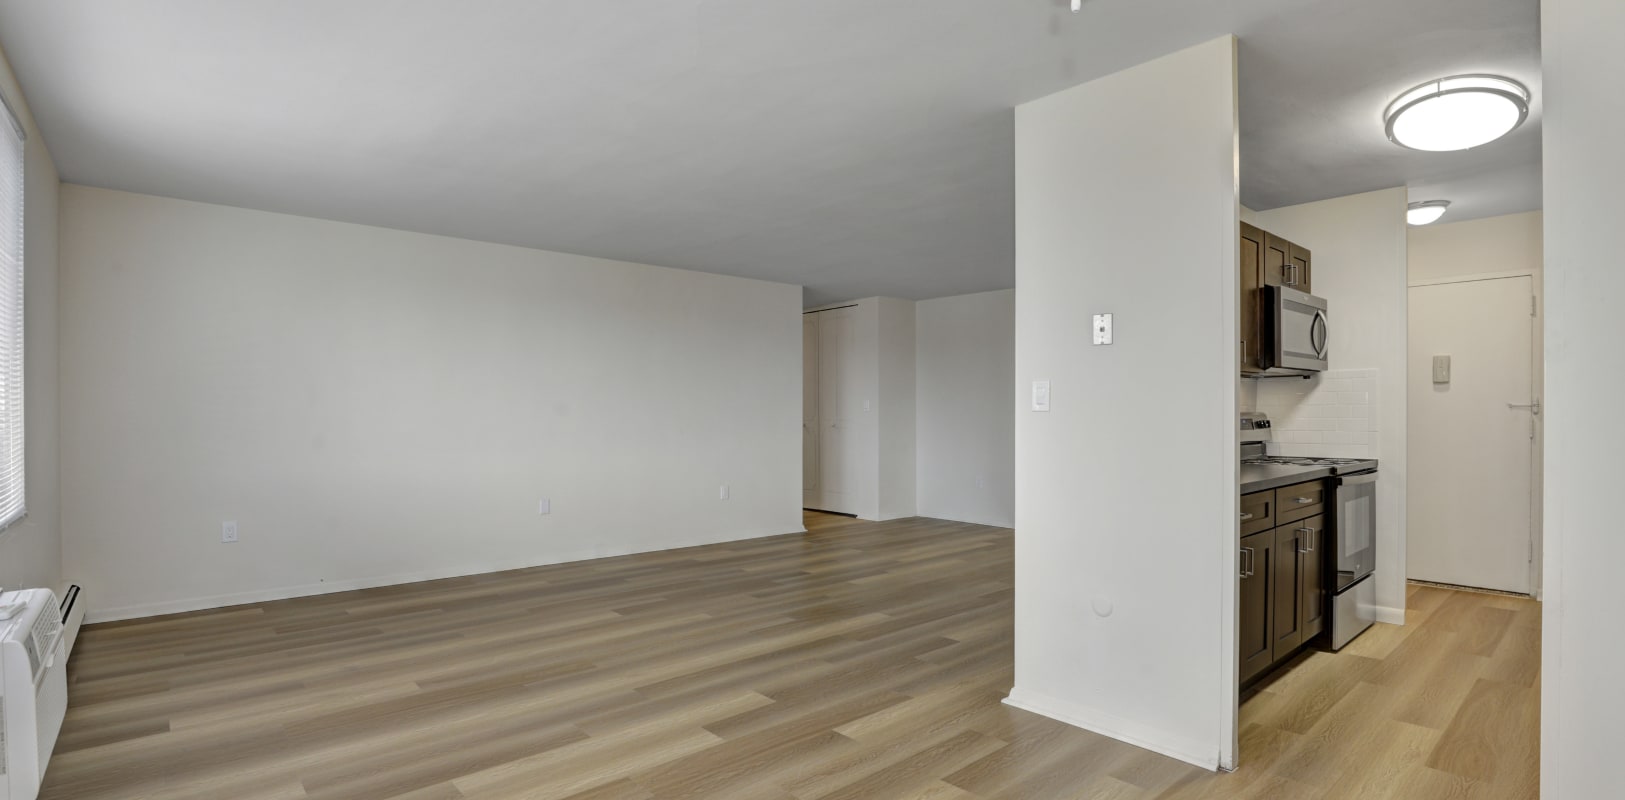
x=1297, y=336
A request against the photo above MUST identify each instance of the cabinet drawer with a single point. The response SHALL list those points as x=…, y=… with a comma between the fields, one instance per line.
x=1300, y=501
x=1257, y=512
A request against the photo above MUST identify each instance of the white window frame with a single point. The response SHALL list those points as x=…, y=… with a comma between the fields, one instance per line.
x=13, y=211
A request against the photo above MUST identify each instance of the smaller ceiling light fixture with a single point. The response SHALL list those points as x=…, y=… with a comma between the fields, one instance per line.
x=1426, y=211
x=1077, y=5
x=1456, y=113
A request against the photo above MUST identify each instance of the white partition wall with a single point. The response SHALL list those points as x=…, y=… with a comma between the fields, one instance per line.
x=1126, y=501
x=1582, y=654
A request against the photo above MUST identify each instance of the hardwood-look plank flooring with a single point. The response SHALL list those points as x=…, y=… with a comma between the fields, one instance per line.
x=860, y=660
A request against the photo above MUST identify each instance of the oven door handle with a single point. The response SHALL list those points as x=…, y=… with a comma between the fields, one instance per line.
x=1357, y=480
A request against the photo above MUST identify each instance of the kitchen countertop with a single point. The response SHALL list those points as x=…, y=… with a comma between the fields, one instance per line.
x=1261, y=477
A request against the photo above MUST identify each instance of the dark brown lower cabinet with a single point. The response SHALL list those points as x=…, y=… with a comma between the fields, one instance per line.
x=1312, y=600
x=1283, y=593
x=1257, y=610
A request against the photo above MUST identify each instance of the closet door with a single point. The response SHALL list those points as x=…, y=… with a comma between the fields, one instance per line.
x=809, y=412
x=839, y=414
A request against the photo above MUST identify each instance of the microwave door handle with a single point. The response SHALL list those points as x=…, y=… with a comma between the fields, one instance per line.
x=1320, y=322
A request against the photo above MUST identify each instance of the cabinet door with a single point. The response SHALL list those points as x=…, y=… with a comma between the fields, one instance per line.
x=1287, y=581
x=1277, y=253
x=1252, y=300
x=1312, y=601
x=1299, y=270
x=1257, y=606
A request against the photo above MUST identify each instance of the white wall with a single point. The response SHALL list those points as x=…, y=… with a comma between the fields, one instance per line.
x=374, y=406
x=1493, y=246
x=31, y=550
x=1582, y=657
x=897, y=408
x=1360, y=268
x=1510, y=243
x=965, y=369
x=1125, y=601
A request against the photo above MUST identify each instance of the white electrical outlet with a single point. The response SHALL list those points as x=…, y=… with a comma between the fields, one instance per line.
x=228, y=531
x=545, y=506
x=1040, y=395
x=722, y=494
x=1103, y=329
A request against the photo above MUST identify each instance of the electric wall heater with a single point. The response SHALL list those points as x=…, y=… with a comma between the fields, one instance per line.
x=33, y=688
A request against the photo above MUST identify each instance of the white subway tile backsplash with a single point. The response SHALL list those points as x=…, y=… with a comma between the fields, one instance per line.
x=1332, y=414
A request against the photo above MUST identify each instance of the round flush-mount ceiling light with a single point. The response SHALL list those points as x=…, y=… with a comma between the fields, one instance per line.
x=1457, y=113
x=1426, y=212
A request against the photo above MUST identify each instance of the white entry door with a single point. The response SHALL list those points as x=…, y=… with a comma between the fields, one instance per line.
x=811, y=497
x=1471, y=449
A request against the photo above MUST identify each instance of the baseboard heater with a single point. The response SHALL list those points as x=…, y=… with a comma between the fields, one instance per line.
x=73, y=616
x=33, y=688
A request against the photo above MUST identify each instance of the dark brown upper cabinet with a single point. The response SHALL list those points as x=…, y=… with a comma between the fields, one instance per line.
x=1277, y=252
x=1266, y=260
x=1287, y=264
x=1252, y=300
x=1300, y=271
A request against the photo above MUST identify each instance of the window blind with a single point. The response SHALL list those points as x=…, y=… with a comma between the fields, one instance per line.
x=11, y=319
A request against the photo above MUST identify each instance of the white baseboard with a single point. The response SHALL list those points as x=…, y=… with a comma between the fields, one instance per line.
x=991, y=523
x=1392, y=616
x=1091, y=719
x=329, y=587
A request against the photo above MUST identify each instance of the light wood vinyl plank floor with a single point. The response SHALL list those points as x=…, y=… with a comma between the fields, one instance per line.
x=860, y=660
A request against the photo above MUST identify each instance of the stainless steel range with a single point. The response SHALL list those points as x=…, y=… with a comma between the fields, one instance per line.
x=1352, y=528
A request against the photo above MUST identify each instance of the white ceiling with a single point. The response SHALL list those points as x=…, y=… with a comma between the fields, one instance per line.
x=857, y=147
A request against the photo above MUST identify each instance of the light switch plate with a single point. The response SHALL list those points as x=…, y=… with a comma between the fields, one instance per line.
x=1040, y=395
x=544, y=506
x=1103, y=329
x=1441, y=369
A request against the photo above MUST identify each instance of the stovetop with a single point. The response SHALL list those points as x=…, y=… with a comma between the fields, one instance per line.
x=1305, y=461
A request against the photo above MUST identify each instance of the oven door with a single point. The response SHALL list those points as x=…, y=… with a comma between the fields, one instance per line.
x=1299, y=334
x=1355, y=528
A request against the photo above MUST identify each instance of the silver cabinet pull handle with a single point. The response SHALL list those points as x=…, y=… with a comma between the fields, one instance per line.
x=1306, y=544
x=1303, y=501
x=1246, y=515
x=1247, y=571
